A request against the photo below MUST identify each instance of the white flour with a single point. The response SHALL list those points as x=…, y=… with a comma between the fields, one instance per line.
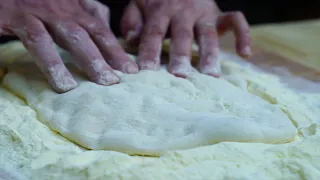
x=31, y=148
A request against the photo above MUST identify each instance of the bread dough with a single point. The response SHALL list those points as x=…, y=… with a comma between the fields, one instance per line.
x=152, y=112
x=39, y=153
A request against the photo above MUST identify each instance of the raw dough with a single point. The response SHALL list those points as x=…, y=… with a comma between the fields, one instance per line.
x=152, y=112
x=39, y=153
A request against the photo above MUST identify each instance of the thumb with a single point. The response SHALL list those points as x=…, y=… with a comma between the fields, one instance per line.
x=132, y=23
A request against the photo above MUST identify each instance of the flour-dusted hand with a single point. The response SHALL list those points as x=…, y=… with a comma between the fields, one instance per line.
x=79, y=26
x=149, y=21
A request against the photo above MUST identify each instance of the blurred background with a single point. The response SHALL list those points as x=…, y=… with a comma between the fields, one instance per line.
x=257, y=12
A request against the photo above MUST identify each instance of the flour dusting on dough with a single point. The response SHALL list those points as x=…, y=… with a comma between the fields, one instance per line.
x=39, y=153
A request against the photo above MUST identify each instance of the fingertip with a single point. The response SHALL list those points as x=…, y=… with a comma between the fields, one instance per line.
x=106, y=78
x=64, y=86
x=61, y=79
x=246, y=51
x=148, y=65
x=130, y=68
x=180, y=66
x=215, y=72
x=243, y=44
x=180, y=72
x=211, y=66
x=133, y=34
x=211, y=70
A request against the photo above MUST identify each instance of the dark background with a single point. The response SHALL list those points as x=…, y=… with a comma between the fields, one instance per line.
x=256, y=11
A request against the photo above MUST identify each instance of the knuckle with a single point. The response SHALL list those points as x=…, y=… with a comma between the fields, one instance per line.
x=98, y=30
x=35, y=35
x=33, y=30
x=208, y=30
x=155, y=5
x=154, y=30
x=104, y=34
x=71, y=30
x=211, y=34
x=94, y=7
x=182, y=32
x=23, y=18
x=237, y=14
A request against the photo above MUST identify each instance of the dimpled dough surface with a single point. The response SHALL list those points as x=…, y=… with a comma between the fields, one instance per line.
x=152, y=112
x=30, y=148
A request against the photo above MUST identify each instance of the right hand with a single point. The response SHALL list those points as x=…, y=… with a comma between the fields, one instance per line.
x=79, y=26
x=146, y=22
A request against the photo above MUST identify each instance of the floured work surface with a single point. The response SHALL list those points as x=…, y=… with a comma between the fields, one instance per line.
x=37, y=152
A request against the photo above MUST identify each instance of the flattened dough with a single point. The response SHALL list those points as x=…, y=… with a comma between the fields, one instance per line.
x=152, y=112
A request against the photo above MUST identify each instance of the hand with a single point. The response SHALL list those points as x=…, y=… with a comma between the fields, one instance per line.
x=149, y=20
x=79, y=26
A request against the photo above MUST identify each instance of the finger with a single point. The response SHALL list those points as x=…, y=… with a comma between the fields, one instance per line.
x=180, y=47
x=238, y=23
x=5, y=31
x=209, y=47
x=132, y=23
x=97, y=10
x=77, y=41
x=41, y=46
x=6, y=23
x=110, y=47
x=151, y=42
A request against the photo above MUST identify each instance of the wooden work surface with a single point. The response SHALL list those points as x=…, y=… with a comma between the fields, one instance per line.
x=295, y=45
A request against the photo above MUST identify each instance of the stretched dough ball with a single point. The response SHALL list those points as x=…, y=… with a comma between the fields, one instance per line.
x=152, y=112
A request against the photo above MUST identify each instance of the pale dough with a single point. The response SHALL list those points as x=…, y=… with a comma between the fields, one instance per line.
x=38, y=153
x=152, y=112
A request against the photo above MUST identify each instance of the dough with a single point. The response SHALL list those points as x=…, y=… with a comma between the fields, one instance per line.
x=39, y=153
x=152, y=112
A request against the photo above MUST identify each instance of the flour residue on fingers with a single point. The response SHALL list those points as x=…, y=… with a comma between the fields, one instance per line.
x=149, y=60
x=150, y=64
x=46, y=56
x=209, y=56
x=61, y=78
x=210, y=65
x=180, y=65
x=102, y=73
x=87, y=53
x=129, y=67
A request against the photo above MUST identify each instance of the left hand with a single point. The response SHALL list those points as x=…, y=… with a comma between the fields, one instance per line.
x=149, y=20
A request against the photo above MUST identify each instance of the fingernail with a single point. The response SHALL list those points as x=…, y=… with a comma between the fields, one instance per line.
x=130, y=68
x=212, y=69
x=130, y=36
x=101, y=74
x=64, y=85
x=107, y=78
x=180, y=66
x=148, y=65
x=61, y=79
x=247, y=51
x=133, y=34
x=215, y=71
